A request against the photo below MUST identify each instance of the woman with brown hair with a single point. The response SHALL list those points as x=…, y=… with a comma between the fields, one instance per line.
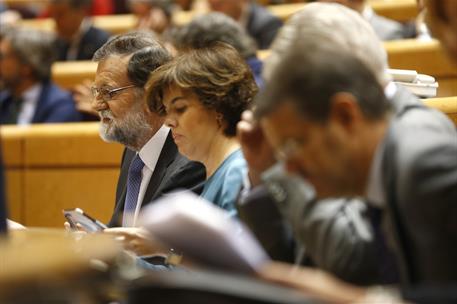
x=203, y=92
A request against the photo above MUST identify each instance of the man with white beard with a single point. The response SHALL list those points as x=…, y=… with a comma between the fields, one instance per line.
x=151, y=163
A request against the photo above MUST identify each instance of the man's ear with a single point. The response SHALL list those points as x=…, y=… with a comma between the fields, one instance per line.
x=345, y=110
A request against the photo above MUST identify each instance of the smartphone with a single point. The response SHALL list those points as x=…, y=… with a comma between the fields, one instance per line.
x=88, y=223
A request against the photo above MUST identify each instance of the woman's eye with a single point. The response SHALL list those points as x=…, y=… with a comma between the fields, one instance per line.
x=180, y=110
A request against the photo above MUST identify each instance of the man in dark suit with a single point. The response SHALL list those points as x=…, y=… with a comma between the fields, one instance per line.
x=28, y=94
x=343, y=136
x=282, y=212
x=151, y=164
x=259, y=23
x=77, y=38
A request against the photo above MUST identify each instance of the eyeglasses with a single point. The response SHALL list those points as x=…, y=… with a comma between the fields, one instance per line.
x=106, y=95
x=289, y=148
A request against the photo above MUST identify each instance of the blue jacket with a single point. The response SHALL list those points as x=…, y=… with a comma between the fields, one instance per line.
x=54, y=105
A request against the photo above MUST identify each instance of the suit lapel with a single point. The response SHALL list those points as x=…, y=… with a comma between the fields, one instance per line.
x=41, y=103
x=167, y=155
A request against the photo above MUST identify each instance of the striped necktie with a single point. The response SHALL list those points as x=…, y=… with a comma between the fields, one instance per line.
x=133, y=189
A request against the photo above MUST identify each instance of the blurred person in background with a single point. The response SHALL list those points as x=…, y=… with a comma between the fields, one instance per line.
x=386, y=29
x=259, y=23
x=205, y=30
x=77, y=38
x=27, y=93
x=154, y=15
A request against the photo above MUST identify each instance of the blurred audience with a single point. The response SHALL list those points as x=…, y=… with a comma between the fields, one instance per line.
x=155, y=15
x=386, y=29
x=257, y=20
x=27, y=93
x=203, y=31
x=202, y=94
x=77, y=38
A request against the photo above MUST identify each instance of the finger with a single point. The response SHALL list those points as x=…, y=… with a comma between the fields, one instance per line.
x=247, y=116
x=67, y=227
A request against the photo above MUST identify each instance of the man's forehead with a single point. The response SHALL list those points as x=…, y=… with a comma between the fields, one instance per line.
x=284, y=120
x=112, y=67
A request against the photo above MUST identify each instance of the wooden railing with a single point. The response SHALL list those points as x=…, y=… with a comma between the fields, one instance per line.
x=56, y=166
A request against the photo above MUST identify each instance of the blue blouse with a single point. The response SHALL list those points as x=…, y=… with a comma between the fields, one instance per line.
x=222, y=188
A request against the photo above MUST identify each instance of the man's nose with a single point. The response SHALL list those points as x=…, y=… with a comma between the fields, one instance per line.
x=98, y=104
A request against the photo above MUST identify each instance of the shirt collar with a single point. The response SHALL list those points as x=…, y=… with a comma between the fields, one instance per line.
x=150, y=152
x=32, y=93
x=374, y=191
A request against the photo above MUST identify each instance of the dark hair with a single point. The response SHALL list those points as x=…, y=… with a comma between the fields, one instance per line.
x=217, y=75
x=205, y=30
x=310, y=79
x=147, y=54
x=75, y=4
x=33, y=48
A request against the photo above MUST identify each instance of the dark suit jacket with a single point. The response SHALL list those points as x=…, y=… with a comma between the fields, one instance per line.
x=419, y=179
x=172, y=172
x=54, y=105
x=92, y=40
x=262, y=25
x=338, y=235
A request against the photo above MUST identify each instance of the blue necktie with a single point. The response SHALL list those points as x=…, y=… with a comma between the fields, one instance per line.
x=133, y=189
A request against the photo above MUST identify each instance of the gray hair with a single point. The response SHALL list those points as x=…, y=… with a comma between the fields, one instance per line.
x=329, y=25
x=146, y=52
x=208, y=29
x=33, y=48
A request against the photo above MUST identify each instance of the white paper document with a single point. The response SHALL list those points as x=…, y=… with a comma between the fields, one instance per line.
x=204, y=232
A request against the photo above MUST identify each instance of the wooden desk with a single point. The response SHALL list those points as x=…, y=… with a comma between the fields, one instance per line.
x=426, y=57
x=399, y=10
x=68, y=74
x=115, y=24
x=447, y=105
x=52, y=167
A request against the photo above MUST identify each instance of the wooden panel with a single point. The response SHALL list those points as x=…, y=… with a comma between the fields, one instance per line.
x=447, y=86
x=426, y=57
x=12, y=141
x=400, y=10
x=14, y=194
x=446, y=105
x=68, y=74
x=48, y=191
x=67, y=145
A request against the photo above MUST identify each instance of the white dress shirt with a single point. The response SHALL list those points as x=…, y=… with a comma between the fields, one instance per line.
x=29, y=104
x=149, y=154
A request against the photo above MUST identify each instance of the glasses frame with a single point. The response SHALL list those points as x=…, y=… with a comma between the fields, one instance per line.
x=107, y=95
x=289, y=148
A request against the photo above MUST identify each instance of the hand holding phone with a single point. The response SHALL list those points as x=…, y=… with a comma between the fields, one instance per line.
x=77, y=217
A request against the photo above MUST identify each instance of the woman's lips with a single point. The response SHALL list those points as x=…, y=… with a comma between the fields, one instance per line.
x=176, y=136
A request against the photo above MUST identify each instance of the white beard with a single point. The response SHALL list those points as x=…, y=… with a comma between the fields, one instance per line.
x=132, y=130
